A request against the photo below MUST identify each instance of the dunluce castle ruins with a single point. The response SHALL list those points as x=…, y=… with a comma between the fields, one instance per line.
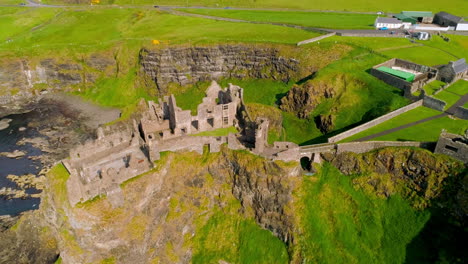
x=98, y=167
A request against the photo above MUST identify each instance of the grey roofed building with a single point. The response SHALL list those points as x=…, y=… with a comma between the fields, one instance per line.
x=388, y=20
x=453, y=71
x=446, y=19
x=459, y=66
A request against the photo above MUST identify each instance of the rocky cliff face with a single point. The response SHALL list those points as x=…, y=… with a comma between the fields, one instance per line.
x=187, y=65
x=163, y=210
x=416, y=174
x=303, y=99
x=22, y=80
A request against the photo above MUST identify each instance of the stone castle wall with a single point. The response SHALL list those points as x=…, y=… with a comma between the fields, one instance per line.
x=461, y=112
x=375, y=122
x=434, y=103
x=452, y=145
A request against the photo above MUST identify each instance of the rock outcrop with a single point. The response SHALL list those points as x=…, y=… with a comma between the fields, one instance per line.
x=168, y=206
x=303, y=99
x=188, y=65
x=22, y=80
x=416, y=174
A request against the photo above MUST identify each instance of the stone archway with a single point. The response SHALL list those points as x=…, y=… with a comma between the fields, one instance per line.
x=306, y=163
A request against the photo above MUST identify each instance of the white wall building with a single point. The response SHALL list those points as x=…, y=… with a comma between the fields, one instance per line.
x=387, y=22
x=462, y=26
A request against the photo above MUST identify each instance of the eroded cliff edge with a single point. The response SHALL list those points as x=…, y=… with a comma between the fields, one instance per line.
x=165, y=211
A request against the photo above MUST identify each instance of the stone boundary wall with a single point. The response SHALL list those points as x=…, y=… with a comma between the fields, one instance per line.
x=391, y=80
x=362, y=147
x=318, y=148
x=431, y=102
x=375, y=122
x=461, y=112
x=315, y=39
x=385, y=34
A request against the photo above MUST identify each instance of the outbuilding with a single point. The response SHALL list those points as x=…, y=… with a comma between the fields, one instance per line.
x=453, y=71
x=446, y=19
x=418, y=16
x=387, y=22
x=462, y=26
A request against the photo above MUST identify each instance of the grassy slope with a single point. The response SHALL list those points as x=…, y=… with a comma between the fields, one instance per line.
x=321, y=20
x=227, y=236
x=456, y=6
x=339, y=224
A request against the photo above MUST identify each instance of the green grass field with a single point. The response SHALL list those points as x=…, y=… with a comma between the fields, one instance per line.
x=448, y=98
x=232, y=239
x=339, y=224
x=72, y=31
x=458, y=7
x=428, y=131
x=308, y=19
x=433, y=86
x=405, y=118
x=460, y=87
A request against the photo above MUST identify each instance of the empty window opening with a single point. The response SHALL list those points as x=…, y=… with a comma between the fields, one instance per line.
x=451, y=148
x=195, y=124
x=226, y=120
x=210, y=122
x=225, y=107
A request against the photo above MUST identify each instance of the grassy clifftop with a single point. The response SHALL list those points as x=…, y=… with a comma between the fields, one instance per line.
x=456, y=6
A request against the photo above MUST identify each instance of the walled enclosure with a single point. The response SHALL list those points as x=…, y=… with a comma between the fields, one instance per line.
x=428, y=74
x=453, y=145
x=375, y=122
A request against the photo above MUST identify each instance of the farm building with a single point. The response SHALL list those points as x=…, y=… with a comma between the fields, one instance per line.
x=414, y=17
x=387, y=22
x=404, y=75
x=446, y=19
x=462, y=26
x=453, y=71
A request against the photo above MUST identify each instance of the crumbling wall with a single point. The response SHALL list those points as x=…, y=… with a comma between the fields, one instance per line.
x=453, y=145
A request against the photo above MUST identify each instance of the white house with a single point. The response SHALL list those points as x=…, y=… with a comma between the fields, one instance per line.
x=388, y=22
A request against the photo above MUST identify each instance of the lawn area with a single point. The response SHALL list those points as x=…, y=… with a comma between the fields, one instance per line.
x=405, y=118
x=460, y=87
x=419, y=55
x=448, y=98
x=371, y=43
x=457, y=7
x=428, y=131
x=217, y=132
x=433, y=86
x=308, y=19
x=261, y=91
